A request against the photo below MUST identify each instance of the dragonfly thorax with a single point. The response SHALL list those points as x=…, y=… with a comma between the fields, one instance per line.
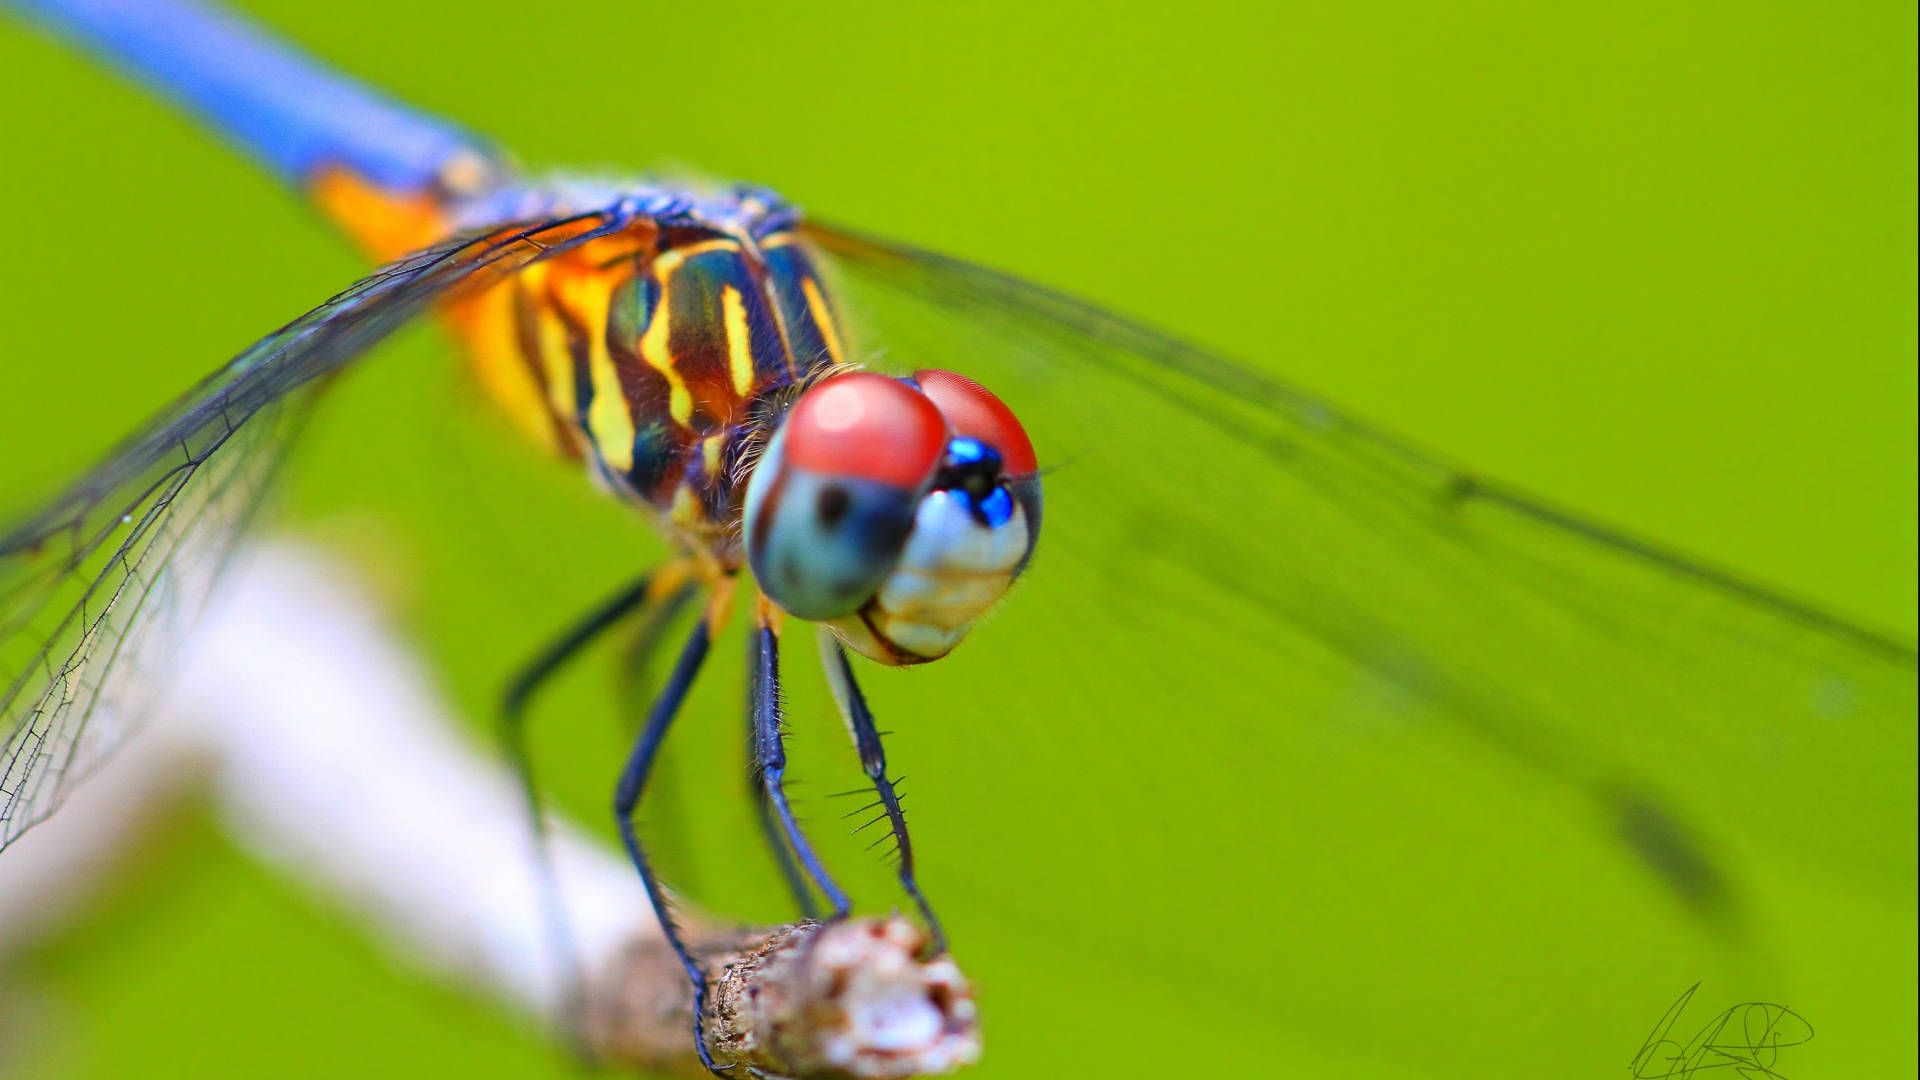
x=653, y=355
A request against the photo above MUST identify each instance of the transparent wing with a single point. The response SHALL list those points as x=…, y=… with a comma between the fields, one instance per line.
x=1265, y=571
x=96, y=587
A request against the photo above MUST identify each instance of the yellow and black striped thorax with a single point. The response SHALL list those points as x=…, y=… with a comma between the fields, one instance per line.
x=656, y=355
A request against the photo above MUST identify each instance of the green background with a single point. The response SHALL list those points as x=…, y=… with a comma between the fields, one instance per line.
x=1656, y=261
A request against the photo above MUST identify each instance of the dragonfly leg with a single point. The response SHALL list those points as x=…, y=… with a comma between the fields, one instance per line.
x=757, y=790
x=659, y=594
x=873, y=760
x=512, y=732
x=770, y=753
x=633, y=782
x=670, y=815
x=534, y=674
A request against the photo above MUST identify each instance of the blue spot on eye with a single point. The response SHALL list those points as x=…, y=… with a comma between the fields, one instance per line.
x=971, y=472
x=966, y=450
x=996, y=508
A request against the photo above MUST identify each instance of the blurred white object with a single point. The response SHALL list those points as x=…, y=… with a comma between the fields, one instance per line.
x=333, y=723
x=331, y=756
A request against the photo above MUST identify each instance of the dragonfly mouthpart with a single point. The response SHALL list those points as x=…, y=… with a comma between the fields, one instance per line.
x=955, y=567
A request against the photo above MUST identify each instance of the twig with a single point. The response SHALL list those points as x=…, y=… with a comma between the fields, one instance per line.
x=807, y=1000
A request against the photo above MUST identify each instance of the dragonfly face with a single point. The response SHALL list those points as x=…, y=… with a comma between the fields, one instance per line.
x=897, y=511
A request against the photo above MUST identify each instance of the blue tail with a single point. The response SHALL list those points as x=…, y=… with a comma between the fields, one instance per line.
x=291, y=113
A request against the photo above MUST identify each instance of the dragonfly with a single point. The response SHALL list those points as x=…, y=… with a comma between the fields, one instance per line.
x=712, y=357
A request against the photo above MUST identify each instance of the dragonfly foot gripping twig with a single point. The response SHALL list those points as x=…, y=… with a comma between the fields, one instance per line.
x=807, y=1000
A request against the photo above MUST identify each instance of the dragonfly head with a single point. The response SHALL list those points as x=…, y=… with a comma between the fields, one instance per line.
x=897, y=511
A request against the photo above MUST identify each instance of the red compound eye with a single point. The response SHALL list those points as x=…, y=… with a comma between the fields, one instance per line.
x=869, y=426
x=973, y=410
